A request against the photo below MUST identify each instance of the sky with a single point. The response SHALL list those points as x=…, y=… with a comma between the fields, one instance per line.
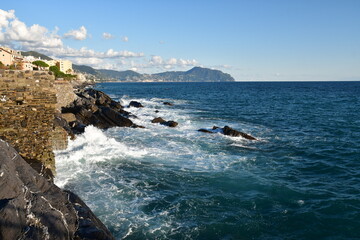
x=253, y=40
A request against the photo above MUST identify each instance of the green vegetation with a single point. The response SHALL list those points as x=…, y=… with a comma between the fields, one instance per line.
x=40, y=64
x=60, y=74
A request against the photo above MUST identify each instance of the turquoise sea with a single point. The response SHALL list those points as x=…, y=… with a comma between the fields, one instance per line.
x=301, y=180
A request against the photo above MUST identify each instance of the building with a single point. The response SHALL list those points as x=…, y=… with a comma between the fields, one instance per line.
x=5, y=57
x=27, y=65
x=64, y=66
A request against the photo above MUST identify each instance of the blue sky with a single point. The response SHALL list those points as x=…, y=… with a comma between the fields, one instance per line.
x=251, y=40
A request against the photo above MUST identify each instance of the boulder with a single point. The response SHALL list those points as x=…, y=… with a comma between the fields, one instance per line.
x=158, y=120
x=33, y=208
x=234, y=133
x=228, y=131
x=94, y=107
x=135, y=104
x=170, y=123
x=165, y=123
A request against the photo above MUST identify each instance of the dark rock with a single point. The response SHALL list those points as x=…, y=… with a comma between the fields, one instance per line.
x=228, y=131
x=135, y=104
x=163, y=122
x=33, y=208
x=234, y=133
x=168, y=104
x=156, y=111
x=205, y=130
x=94, y=107
x=170, y=123
x=113, y=118
x=158, y=120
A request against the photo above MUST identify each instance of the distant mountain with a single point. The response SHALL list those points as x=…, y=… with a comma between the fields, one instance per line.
x=85, y=69
x=196, y=74
x=36, y=54
x=120, y=75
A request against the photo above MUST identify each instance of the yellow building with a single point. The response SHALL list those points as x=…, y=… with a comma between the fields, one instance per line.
x=65, y=66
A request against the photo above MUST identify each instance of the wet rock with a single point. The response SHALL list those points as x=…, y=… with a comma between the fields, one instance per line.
x=205, y=130
x=135, y=104
x=165, y=123
x=158, y=120
x=156, y=111
x=95, y=108
x=170, y=123
x=168, y=103
x=228, y=131
x=234, y=133
x=31, y=207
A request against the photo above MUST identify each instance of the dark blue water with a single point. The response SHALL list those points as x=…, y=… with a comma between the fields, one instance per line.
x=301, y=180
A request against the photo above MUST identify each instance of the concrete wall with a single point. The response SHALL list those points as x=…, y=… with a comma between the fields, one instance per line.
x=27, y=108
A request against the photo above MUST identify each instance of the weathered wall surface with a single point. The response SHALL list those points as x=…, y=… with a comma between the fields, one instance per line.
x=27, y=108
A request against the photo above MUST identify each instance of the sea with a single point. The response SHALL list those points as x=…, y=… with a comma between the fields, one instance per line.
x=299, y=180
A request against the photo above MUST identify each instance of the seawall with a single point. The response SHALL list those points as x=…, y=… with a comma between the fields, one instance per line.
x=29, y=101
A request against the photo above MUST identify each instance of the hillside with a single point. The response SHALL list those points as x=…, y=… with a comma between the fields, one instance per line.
x=36, y=54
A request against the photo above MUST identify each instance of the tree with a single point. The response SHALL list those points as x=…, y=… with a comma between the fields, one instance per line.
x=40, y=64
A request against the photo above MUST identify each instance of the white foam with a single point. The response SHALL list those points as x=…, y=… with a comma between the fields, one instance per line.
x=88, y=148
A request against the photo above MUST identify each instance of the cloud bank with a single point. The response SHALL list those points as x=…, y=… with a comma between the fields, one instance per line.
x=17, y=34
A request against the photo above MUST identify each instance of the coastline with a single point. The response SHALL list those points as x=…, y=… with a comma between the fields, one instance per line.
x=31, y=127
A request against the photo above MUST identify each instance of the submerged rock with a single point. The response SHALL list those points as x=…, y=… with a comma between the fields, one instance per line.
x=168, y=103
x=170, y=123
x=135, y=104
x=33, y=208
x=228, y=131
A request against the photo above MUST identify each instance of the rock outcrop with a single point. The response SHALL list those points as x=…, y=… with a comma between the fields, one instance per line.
x=135, y=104
x=164, y=122
x=93, y=107
x=228, y=131
x=33, y=208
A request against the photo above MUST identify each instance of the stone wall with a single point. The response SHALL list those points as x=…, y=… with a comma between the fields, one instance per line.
x=27, y=108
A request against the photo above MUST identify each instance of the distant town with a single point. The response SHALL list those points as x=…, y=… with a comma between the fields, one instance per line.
x=64, y=69
x=13, y=59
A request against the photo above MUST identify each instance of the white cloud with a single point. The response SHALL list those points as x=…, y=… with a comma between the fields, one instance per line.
x=125, y=39
x=159, y=62
x=107, y=35
x=80, y=34
x=5, y=16
x=87, y=61
x=156, y=60
x=12, y=31
x=18, y=35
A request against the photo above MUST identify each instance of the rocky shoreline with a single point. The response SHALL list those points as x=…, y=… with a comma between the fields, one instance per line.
x=31, y=205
